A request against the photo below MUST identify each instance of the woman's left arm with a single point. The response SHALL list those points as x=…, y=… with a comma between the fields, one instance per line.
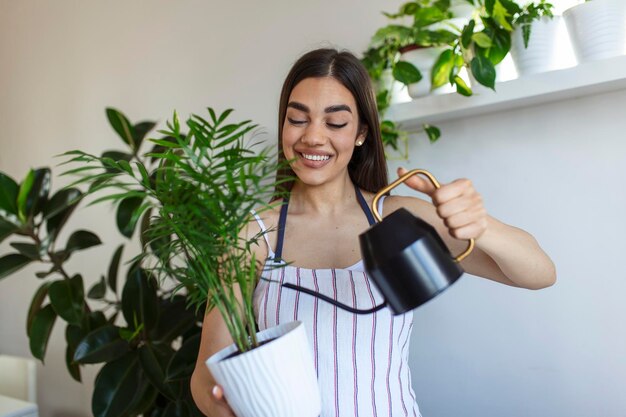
x=503, y=253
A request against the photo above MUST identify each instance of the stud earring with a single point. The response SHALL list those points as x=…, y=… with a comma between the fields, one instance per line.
x=359, y=142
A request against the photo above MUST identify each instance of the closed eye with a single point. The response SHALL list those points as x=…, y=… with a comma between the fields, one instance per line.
x=334, y=126
x=296, y=122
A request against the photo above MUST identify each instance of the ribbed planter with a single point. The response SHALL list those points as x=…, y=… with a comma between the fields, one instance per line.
x=424, y=59
x=597, y=29
x=541, y=54
x=276, y=379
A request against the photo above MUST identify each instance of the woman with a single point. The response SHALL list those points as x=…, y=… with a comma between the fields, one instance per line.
x=329, y=129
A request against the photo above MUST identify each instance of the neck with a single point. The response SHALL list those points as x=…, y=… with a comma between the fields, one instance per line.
x=322, y=199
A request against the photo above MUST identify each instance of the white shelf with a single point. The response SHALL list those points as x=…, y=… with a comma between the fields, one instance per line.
x=579, y=81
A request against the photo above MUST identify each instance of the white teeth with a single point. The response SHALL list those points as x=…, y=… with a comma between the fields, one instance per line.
x=316, y=157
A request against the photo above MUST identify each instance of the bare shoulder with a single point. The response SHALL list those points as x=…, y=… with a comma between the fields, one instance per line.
x=416, y=206
x=268, y=217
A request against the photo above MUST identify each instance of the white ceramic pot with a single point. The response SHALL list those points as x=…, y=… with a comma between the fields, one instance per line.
x=424, y=59
x=542, y=52
x=597, y=29
x=276, y=379
x=399, y=92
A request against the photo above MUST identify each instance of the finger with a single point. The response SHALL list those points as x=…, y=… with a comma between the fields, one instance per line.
x=471, y=231
x=453, y=190
x=459, y=204
x=220, y=400
x=464, y=218
x=417, y=182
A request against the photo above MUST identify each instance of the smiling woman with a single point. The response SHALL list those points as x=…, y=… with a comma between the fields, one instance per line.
x=329, y=133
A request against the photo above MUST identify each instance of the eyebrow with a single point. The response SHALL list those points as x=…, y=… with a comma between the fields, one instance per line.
x=330, y=109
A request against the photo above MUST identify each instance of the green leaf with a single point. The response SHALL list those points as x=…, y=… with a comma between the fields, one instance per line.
x=139, y=299
x=426, y=16
x=500, y=14
x=113, y=268
x=35, y=304
x=24, y=190
x=466, y=35
x=145, y=397
x=12, y=263
x=127, y=215
x=103, y=344
x=68, y=299
x=184, y=360
x=461, y=87
x=8, y=194
x=406, y=73
x=442, y=68
x=153, y=365
x=40, y=331
x=29, y=250
x=121, y=125
x=500, y=43
x=174, y=320
x=433, y=132
x=61, y=201
x=482, y=40
x=484, y=71
x=116, y=386
x=177, y=409
x=82, y=239
x=98, y=290
x=7, y=229
x=140, y=130
x=73, y=336
x=95, y=320
x=526, y=34
x=33, y=193
x=55, y=223
x=117, y=156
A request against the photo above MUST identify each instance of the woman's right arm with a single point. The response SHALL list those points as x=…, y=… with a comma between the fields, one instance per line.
x=214, y=337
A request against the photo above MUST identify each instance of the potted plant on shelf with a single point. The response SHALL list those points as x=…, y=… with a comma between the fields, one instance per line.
x=400, y=56
x=201, y=193
x=538, y=54
x=597, y=29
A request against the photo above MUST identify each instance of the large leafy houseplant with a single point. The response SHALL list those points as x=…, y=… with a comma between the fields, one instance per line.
x=149, y=350
x=384, y=51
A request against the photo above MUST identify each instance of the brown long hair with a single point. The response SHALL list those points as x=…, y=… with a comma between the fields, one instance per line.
x=367, y=168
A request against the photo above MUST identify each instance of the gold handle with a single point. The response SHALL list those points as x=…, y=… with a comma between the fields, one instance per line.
x=399, y=181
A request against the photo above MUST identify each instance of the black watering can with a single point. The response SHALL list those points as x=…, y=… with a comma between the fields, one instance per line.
x=404, y=256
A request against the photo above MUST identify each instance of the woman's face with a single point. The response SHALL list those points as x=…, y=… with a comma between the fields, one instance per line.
x=320, y=130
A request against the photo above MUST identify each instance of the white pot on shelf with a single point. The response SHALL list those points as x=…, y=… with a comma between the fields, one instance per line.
x=275, y=379
x=424, y=59
x=543, y=46
x=399, y=91
x=597, y=29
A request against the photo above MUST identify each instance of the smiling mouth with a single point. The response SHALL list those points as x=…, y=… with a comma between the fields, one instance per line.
x=315, y=157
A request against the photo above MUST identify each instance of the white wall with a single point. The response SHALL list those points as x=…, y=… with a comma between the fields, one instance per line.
x=482, y=349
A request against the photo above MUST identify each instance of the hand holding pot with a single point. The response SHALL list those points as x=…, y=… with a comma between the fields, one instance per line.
x=458, y=204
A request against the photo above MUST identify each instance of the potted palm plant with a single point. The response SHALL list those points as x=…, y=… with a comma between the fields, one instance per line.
x=201, y=194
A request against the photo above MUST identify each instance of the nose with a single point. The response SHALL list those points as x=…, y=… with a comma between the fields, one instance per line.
x=313, y=135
